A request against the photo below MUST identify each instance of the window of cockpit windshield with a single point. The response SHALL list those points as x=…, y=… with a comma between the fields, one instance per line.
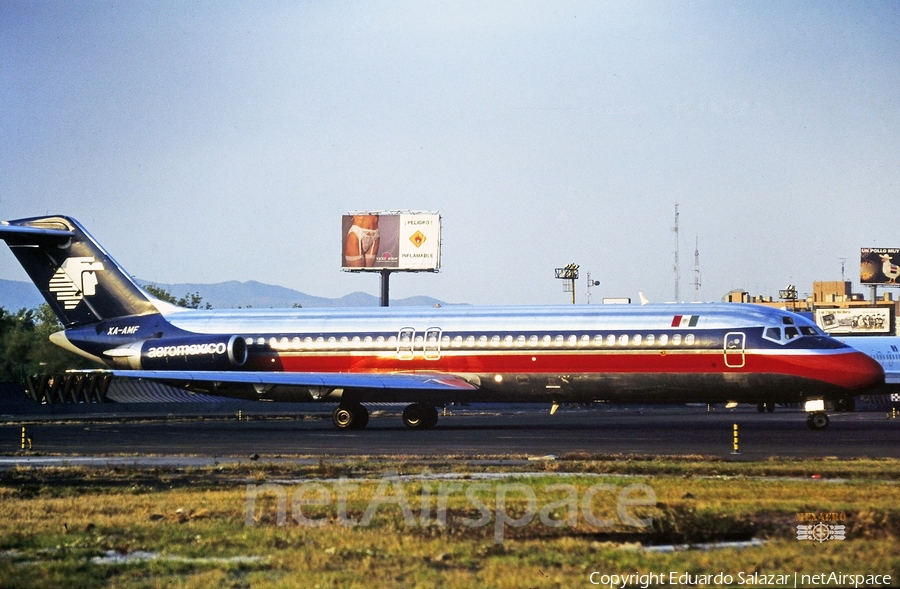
x=773, y=333
x=809, y=330
x=791, y=333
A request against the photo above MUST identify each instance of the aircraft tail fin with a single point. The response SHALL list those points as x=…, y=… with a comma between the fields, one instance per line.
x=78, y=279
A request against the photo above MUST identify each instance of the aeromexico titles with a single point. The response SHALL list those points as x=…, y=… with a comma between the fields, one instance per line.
x=698, y=352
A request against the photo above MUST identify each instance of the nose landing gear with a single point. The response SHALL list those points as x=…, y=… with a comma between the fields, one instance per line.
x=817, y=420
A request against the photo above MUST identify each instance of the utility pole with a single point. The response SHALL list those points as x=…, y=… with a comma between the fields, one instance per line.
x=697, y=269
x=675, y=229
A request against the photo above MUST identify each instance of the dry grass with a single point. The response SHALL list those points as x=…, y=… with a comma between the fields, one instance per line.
x=54, y=523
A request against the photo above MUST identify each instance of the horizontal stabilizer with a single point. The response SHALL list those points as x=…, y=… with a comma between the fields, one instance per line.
x=37, y=235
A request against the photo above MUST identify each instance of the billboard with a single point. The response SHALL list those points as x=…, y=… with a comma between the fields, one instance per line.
x=855, y=321
x=397, y=241
x=879, y=265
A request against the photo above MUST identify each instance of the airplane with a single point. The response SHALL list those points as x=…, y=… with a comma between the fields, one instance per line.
x=428, y=357
x=884, y=349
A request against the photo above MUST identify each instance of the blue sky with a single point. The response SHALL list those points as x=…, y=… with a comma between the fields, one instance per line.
x=213, y=141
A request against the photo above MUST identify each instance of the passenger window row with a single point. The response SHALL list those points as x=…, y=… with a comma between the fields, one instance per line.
x=472, y=341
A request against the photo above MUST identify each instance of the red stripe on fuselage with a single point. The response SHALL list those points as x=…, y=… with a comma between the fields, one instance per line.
x=848, y=369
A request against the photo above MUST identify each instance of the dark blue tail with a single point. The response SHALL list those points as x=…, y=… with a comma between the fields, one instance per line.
x=79, y=280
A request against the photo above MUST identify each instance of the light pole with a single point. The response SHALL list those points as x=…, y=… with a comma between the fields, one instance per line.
x=569, y=274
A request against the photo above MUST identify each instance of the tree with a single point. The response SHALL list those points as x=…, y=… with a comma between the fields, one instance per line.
x=46, y=356
x=160, y=293
x=25, y=346
x=16, y=340
x=188, y=301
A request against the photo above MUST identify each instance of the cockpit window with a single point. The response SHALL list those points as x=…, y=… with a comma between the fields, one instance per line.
x=783, y=335
x=773, y=333
x=787, y=320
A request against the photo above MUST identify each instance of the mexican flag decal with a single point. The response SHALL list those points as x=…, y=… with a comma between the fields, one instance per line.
x=685, y=320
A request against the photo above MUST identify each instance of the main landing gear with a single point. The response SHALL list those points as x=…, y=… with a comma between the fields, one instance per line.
x=350, y=416
x=355, y=416
x=420, y=416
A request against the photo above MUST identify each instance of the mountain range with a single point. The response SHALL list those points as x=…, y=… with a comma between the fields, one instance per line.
x=15, y=295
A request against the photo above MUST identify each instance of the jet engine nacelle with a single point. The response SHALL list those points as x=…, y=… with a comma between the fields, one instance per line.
x=196, y=352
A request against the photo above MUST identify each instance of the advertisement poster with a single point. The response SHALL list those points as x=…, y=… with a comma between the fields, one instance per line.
x=858, y=321
x=879, y=265
x=397, y=241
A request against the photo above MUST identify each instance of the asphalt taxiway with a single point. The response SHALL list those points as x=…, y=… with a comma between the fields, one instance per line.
x=662, y=431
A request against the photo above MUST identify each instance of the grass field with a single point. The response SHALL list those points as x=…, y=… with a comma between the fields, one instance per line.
x=450, y=522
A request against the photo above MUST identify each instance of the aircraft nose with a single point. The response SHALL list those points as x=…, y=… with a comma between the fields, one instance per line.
x=860, y=371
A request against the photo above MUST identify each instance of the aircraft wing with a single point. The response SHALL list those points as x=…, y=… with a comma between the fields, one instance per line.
x=422, y=381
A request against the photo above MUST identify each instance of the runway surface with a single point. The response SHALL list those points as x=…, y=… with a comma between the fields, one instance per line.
x=519, y=433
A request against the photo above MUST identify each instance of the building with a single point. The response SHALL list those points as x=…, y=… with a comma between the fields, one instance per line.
x=855, y=316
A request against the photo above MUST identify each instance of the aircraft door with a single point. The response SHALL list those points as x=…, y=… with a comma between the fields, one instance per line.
x=735, y=342
x=432, y=344
x=406, y=341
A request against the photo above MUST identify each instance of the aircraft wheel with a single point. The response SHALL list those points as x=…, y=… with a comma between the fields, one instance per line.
x=770, y=407
x=761, y=407
x=420, y=416
x=817, y=420
x=353, y=416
